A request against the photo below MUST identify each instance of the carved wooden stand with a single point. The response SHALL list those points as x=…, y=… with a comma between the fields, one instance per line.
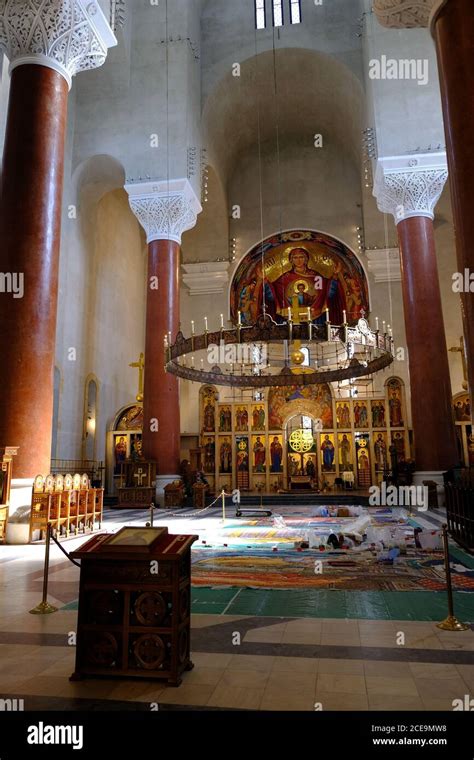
x=135, y=605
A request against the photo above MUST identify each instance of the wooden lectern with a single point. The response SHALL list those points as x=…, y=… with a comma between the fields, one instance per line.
x=134, y=605
x=6, y=464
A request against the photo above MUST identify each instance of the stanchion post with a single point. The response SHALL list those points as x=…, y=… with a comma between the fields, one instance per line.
x=451, y=623
x=150, y=524
x=44, y=608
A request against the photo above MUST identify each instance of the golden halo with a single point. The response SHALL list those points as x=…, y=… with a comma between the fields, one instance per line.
x=300, y=282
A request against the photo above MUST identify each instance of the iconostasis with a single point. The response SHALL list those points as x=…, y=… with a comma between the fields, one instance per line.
x=302, y=432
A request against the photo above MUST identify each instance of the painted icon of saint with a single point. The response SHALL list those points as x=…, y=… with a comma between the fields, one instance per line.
x=120, y=452
x=312, y=289
x=259, y=455
x=345, y=449
x=276, y=454
x=327, y=447
x=226, y=456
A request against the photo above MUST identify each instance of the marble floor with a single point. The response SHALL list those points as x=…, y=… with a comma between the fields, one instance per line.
x=241, y=662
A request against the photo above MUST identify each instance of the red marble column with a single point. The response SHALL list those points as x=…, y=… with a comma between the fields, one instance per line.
x=30, y=220
x=161, y=391
x=454, y=35
x=432, y=416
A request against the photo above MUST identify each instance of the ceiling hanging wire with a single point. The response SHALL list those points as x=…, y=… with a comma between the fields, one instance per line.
x=260, y=179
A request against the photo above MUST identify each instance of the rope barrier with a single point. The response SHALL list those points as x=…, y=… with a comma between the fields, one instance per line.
x=198, y=512
x=78, y=564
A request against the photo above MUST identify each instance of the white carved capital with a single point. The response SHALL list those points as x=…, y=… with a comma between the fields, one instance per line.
x=68, y=36
x=384, y=264
x=165, y=209
x=408, y=186
x=403, y=14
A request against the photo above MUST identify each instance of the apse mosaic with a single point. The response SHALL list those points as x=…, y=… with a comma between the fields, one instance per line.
x=306, y=268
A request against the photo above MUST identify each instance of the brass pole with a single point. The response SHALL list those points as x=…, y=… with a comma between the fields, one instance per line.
x=451, y=623
x=44, y=608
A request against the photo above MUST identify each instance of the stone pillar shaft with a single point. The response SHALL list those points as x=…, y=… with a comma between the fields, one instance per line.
x=30, y=217
x=161, y=390
x=430, y=383
x=453, y=30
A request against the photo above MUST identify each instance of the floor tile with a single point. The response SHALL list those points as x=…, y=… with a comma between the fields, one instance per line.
x=296, y=664
x=234, y=697
x=275, y=699
x=192, y=694
x=211, y=660
x=387, y=668
x=331, y=701
x=287, y=681
x=350, y=684
x=451, y=687
x=433, y=670
x=246, y=678
x=301, y=637
x=349, y=667
x=395, y=702
x=204, y=676
x=400, y=686
x=250, y=662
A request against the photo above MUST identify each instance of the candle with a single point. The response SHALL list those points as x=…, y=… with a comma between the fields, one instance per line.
x=192, y=361
x=377, y=323
x=327, y=314
x=289, y=313
x=383, y=326
x=222, y=321
x=205, y=323
x=344, y=316
x=240, y=317
x=202, y=363
x=309, y=314
x=166, y=341
x=390, y=331
x=169, y=338
x=192, y=327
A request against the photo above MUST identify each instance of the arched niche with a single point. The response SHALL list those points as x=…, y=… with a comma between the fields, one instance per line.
x=90, y=418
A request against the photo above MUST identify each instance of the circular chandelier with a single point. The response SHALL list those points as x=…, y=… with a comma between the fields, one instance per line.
x=267, y=354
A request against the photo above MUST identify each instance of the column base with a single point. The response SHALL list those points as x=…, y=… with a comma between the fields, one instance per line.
x=437, y=477
x=20, y=494
x=161, y=482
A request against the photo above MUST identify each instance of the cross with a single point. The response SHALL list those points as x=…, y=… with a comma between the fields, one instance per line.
x=140, y=365
x=298, y=313
x=139, y=476
x=461, y=350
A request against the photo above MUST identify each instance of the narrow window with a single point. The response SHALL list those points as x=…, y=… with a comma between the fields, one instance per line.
x=260, y=20
x=295, y=11
x=277, y=12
